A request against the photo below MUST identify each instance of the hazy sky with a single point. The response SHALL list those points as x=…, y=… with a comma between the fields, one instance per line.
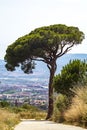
x=19, y=17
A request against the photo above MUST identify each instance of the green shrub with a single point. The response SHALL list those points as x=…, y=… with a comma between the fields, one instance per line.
x=4, y=104
x=29, y=107
x=60, y=105
x=73, y=73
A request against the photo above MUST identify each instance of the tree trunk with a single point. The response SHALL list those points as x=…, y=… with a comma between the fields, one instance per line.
x=50, y=105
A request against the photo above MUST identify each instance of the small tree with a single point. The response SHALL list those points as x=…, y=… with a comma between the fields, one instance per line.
x=75, y=72
x=43, y=44
x=4, y=103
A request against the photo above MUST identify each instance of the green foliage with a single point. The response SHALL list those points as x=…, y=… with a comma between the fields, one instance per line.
x=61, y=102
x=73, y=73
x=44, y=42
x=60, y=105
x=24, y=108
x=28, y=112
x=4, y=104
x=29, y=107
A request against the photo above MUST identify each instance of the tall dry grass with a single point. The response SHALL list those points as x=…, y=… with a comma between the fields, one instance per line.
x=8, y=120
x=77, y=113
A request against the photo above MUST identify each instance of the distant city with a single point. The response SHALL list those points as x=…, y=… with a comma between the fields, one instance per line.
x=18, y=95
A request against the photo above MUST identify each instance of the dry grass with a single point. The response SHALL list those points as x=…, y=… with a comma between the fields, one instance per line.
x=29, y=112
x=7, y=120
x=9, y=117
x=32, y=115
x=77, y=113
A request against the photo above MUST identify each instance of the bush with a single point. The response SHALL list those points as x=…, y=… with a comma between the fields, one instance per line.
x=29, y=107
x=4, y=104
x=73, y=73
x=60, y=105
x=77, y=113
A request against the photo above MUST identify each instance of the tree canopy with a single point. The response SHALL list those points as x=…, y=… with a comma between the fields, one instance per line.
x=43, y=44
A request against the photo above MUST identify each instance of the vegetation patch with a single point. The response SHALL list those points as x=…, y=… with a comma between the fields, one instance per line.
x=8, y=119
x=77, y=113
x=10, y=116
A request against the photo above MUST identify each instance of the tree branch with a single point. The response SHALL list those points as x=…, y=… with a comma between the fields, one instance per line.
x=45, y=60
x=65, y=51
